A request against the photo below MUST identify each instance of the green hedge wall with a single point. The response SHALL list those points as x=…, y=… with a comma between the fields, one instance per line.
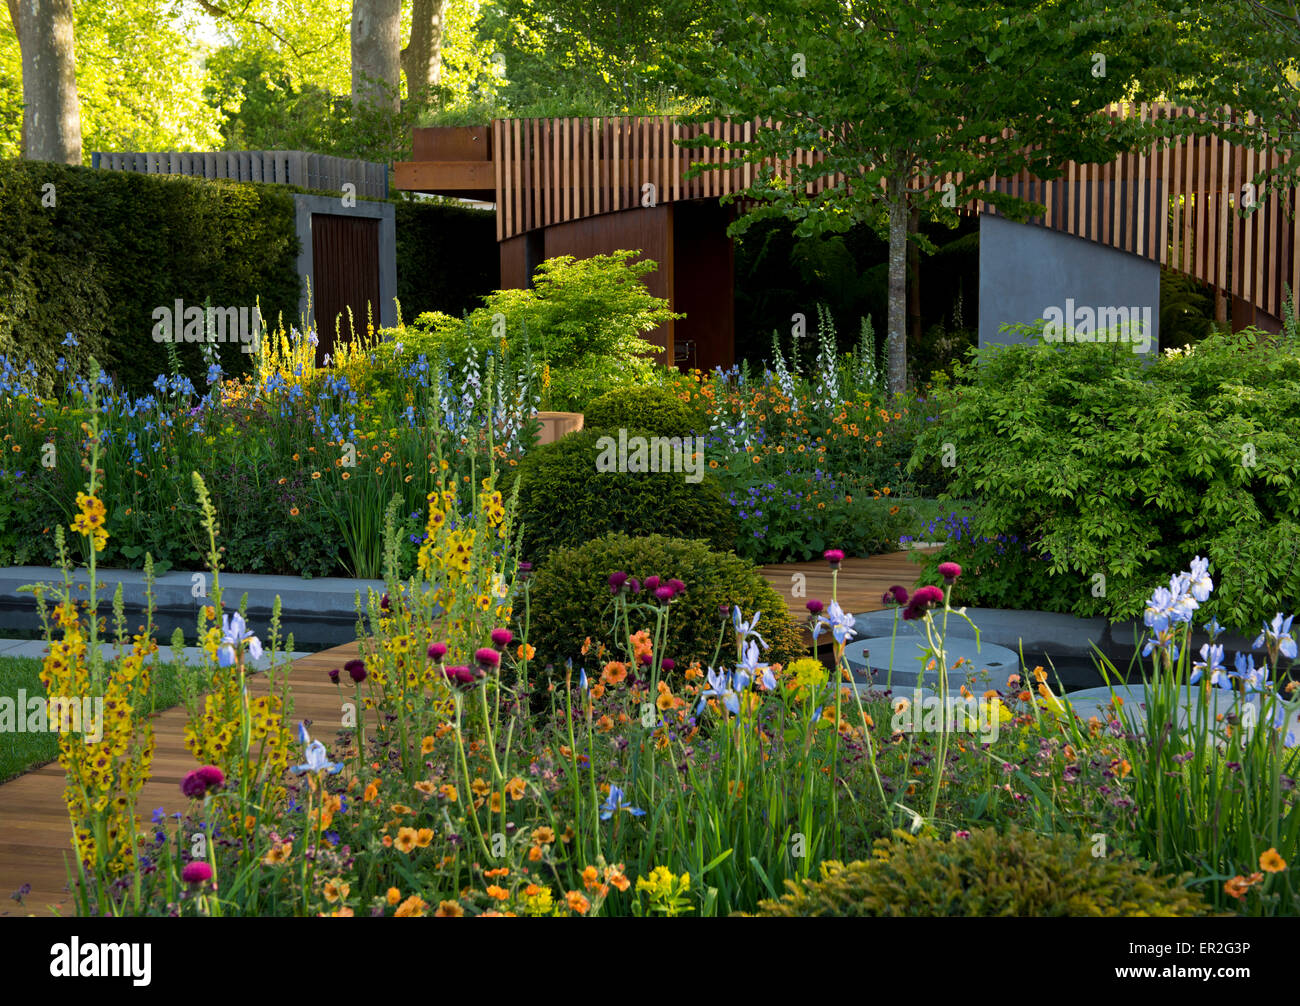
x=117, y=245
x=447, y=258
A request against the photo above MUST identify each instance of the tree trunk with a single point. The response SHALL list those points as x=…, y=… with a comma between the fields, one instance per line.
x=51, y=113
x=422, y=57
x=376, y=45
x=914, y=333
x=896, y=339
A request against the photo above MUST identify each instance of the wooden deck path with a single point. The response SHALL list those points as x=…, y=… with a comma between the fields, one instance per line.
x=861, y=581
x=35, y=836
x=34, y=831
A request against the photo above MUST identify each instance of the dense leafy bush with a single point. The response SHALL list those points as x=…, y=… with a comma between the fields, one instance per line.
x=1100, y=464
x=644, y=408
x=565, y=500
x=582, y=320
x=987, y=874
x=447, y=257
x=116, y=245
x=570, y=599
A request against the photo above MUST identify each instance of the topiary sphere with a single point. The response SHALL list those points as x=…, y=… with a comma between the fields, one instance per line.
x=645, y=409
x=564, y=499
x=570, y=600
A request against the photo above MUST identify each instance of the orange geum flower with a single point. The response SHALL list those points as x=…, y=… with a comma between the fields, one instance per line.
x=400, y=808
x=412, y=907
x=500, y=893
x=406, y=839
x=614, y=673
x=577, y=902
x=426, y=746
x=425, y=787
x=496, y=872
x=535, y=854
x=480, y=787
x=516, y=787
x=423, y=837
x=544, y=835
x=448, y=792
x=371, y=792
x=449, y=910
x=335, y=889
x=1271, y=862
x=1236, y=887
x=278, y=853
x=394, y=895
x=614, y=875
x=497, y=803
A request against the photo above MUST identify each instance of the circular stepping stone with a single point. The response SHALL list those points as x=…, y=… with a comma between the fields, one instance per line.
x=873, y=655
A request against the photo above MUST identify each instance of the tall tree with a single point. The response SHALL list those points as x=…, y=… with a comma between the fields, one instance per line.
x=51, y=113
x=422, y=57
x=376, y=53
x=894, y=92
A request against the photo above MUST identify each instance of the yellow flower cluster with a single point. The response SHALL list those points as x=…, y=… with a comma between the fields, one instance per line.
x=90, y=519
x=104, y=776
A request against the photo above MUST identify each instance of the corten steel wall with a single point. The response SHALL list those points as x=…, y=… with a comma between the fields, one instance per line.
x=704, y=278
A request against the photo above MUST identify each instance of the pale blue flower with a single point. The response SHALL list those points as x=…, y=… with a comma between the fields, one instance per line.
x=615, y=803
x=746, y=630
x=1212, y=661
x=1278, y=636
x=1251, y=677
x=235, y=639
x=317, y=758
x=841, y=623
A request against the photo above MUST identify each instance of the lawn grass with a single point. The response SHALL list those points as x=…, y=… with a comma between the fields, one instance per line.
x=21, y=752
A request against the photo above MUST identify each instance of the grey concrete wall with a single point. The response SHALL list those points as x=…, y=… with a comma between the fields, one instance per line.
x=305, y=206
x=1029, y=272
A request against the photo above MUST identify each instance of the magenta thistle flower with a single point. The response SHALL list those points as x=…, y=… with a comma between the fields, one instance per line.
x=668, y=663
x=501, y=638
x=462, y=677
x=616, y=581
x=949, y=571
x=664, y=593
x=437, y=651
x=894, y=595
x=487, y=658
x=193, y=785
x=196, y=873
x=677, y=586
x=634, y=585
x=525, y=568
x=213, y=777
x=385, y=604
x=815, y=607
x=926, y=596
x=652, y=583
x=834, y=556
x=334, y=675
x=356, y=670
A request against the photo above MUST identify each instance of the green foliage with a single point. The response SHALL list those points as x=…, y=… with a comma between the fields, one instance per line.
x=570, y=600
x=564, y=499
x=984, y=875
x=117, y=245
x=643, y=408
x=447, y=257
x=1093, y=461
x=583, y=319
x=138, y=82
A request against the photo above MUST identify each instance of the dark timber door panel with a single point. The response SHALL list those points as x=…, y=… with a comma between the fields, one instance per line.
x=345, y=271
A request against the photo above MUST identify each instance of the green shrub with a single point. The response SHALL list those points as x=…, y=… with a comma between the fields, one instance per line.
x=987, y=874
x=565, y=500
x=1094, y=461
x=583, y=319
x=570, y=599
x=116, y=245
x=646, y=409
x=447, y=258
